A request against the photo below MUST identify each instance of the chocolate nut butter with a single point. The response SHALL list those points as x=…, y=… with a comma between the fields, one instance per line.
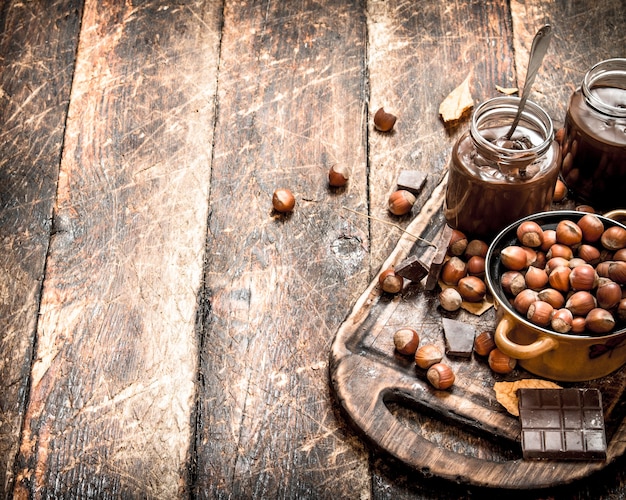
x=594, y=143
x=493, y=182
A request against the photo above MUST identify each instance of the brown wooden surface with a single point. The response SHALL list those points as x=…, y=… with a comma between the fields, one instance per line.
x=163, y=333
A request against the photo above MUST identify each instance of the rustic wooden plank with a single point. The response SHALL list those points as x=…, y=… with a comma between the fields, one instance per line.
x=291, y=103
x=418, y=53
x=37, y=50
x=112, y=384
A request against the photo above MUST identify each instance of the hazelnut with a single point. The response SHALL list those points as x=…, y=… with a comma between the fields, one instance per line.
x=583, y=277
x=578, y=324
x=428, y=355
x=512, y=282
x=283, y=200
x=599, y=320
x=585, y=208
x=536, y=278
x=484, y=343
x=513, y=258
x=457, y=244
x=592, y=227
x=390, y=282
x=608, y=294
x=560, y=191
x=530, y=234
x=531, y=256
x=540, y=313
x=561, y=321
x=559, y=278
x=552, y=297
x=401, y=202
x=500, y=362
x=406, y=341
x=575, y=262
x=450, y=299
x=472, y=289
x=617, y=271
x=589, y=254
x=384, y=121
x=614, y=238
x=555, y=262
x=580, y=303
x=476, y=266
x=568, y=233
x=549, y=239
x=453, y=270
x=338, y=175
x=560, y=250
x=476, y=247
x=524, y=299
x=620, y=255
x=440, y=376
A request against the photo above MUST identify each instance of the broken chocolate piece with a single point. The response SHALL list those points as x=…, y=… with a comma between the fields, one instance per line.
x=412, y=269
x=459, y=337
x=563, y=424
x=439, y=257
x=411, y=180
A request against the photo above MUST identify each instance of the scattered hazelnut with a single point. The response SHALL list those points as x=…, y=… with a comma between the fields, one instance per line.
x=401, y=202
x=450, y=299
x=283, y=200
x=338, y=175
x=476, y=247
x=406, y=341
x=390, y=282
x=476, y=266
x=428, y=355
x=453, y=270
x=472, y=289
x=500, y=362
x=384, y=121
x=484, y=343
x=458, y=243
x=440, y=376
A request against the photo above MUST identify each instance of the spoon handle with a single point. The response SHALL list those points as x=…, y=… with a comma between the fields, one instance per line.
x=537, y=52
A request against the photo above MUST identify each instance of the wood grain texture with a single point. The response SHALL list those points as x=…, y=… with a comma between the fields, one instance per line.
x=418, y=53
x=291, y=103
x=37, y=47
x=112, y=383
x=584, y=34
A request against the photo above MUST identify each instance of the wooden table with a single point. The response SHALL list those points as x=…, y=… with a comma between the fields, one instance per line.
x=163, y=333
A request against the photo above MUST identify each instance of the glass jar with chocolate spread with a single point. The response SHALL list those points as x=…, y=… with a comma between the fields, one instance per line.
x=594, y=143
x=494, y=181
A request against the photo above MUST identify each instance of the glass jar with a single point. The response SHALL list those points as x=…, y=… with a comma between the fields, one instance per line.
x=594, y=142
x=493, y=182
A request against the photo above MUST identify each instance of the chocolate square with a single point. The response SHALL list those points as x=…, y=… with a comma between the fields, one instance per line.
x=562, y=424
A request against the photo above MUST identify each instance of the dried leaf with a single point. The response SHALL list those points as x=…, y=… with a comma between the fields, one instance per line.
x=507, y=90
x=457, y=102
x=506, y=392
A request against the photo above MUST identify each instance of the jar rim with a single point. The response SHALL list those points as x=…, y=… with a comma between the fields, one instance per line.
x=533, y=116
x=607, y=73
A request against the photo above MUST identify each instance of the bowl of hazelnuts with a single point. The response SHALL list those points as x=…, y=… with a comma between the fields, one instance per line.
x=559, y=285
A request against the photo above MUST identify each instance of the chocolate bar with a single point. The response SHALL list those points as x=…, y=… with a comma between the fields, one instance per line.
x=459, y=337
x=562, y=424
x=411, y=180
x=412, y=269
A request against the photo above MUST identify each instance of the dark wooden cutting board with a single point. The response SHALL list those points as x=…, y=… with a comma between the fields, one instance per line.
x=462, y=434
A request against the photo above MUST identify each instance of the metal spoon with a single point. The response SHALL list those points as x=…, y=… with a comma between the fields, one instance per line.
x=538, y=50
